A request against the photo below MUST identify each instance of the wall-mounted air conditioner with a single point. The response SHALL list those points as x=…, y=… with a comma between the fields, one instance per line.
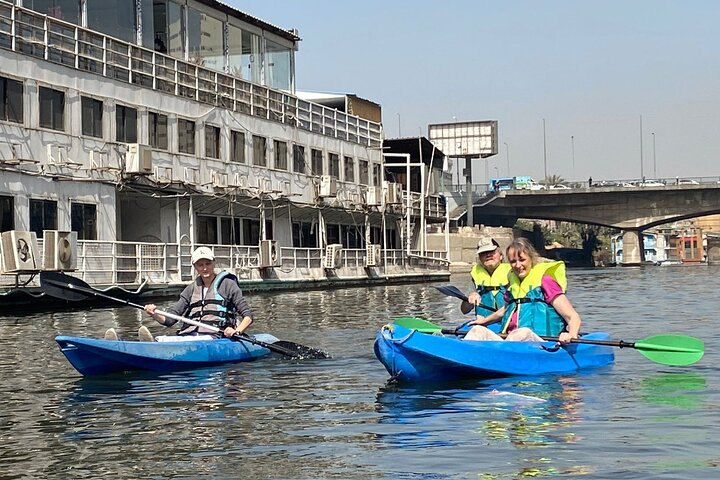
x=269, y=254
x=59, y=250
x=191, y=176
x=374, y=196
x=393, y=192
x=333, y=256
x=20, y=251
x=372, y=255
x=328, y=186
x=138, y=159
x=219, y=180
x=163, y=174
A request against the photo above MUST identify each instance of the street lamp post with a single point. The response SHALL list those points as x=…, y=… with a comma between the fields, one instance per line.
x=572, y=144
x=642, y=170
x=544, y=152
x=654, y=159
x=507, y=157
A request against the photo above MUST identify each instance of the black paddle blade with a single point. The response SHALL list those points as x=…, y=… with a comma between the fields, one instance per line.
x=301, y=351
x=63, y=286
x=452, y=291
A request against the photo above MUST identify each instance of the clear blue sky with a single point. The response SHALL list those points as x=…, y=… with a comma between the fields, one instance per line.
x=590, y=69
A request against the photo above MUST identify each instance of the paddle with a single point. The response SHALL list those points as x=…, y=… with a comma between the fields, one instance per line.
x=665, y=349
x=63, y=286
x=465, y=306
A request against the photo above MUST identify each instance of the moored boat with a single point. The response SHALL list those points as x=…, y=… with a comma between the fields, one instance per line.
x=92, y=356
x=409, y=355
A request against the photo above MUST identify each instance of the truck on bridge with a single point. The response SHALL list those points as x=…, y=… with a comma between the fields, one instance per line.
x=515, y=183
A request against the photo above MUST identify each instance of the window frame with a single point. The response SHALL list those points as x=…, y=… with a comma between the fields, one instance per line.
x=96, y=128
x=186, y=138
x=124, y=122
x=56, y=120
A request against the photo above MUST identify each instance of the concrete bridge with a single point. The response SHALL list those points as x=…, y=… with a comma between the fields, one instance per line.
x=631, y=209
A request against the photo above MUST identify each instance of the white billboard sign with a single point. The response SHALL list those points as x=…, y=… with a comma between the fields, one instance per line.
x=465, y=139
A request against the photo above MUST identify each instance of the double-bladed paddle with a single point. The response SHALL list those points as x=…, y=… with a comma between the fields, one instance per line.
x=465, y=306
x=666, y=349
x=71, y=288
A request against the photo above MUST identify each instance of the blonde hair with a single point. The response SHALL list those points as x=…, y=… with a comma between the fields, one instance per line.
x=523, y=245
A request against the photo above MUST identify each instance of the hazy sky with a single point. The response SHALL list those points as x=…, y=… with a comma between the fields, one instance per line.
x=590, y=69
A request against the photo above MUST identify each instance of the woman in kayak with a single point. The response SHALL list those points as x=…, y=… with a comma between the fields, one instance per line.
x=536, y=301
x=490, y=276
x=213, y=299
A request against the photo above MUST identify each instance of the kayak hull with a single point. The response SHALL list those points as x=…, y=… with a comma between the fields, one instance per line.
x=411, y=356
x=92, y=356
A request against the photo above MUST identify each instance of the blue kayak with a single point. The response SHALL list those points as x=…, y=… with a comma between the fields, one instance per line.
x=409, y=355
x=93, y=356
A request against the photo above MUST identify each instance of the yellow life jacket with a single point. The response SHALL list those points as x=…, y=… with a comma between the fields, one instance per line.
x=491, y=288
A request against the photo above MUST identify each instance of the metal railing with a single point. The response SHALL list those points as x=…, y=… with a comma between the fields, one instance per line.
x=36, y=35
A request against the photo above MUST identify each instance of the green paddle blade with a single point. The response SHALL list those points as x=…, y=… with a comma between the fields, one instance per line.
x=671, y=349
x=417, y=323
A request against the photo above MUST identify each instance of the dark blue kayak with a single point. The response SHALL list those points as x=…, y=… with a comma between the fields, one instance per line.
x=92, y=356
x=409, y=355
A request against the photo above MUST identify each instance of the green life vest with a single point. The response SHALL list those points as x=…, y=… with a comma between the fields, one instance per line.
x=491, y=288
x=526, y=297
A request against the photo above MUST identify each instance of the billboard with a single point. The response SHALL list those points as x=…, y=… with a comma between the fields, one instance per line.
x=465, y=139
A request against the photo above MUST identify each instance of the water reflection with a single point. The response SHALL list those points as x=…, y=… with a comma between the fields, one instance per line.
x=686, y=390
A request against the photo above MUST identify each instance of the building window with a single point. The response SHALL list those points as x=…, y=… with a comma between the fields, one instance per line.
x=280, y=155
x=230, y=231
x=11, y=98
x=92, y=116
x=7, y=213
x=125, y=124
x=251, y=231
x=212, y=141
x=158, y=130
x=186, y=136
x=333, y=233
x=43, y=216
x=377, y=178
x=52, y=109
x=363, y=164
x=316, y=162
x=303, y=235
x=259, y=152
x=349, y=169
x=334, y=162
x=83, y=219
x=298, y=159
x=238, y=147
x=207, y=230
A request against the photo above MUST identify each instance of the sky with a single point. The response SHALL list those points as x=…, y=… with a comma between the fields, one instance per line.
x=591, y=72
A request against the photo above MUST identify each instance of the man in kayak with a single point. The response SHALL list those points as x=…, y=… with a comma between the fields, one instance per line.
x=213, y=299
x=536, y=303
x=490, y=276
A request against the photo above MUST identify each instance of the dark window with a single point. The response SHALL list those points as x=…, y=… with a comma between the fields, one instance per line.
x=334, y=165
x=376, y=175
x=349, y=169
x=11, y=100
x=125, y=124
x=43, y=216
x=230, y=231
x=83, y=219
x=207, y=230
x=298, y=159
x=251, y=231
x=238, y=147
x=333, y=234
x=7, y=213
x=363, y=172
x=317, y=162
x=52, y=109
x=158, y=130
x=259, y=151
x=303, y=234
x=212, y=141
x=92, y=117
x=280, y=155
x=186, y=136
x=67, y=10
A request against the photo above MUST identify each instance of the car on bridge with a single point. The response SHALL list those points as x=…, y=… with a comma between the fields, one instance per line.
x=651, y=183
x=559, y=186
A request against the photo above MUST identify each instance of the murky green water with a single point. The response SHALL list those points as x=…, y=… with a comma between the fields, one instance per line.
x=337, y=418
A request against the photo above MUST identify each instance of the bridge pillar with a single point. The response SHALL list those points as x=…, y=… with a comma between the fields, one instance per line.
x=633, y=248
x=713, y=250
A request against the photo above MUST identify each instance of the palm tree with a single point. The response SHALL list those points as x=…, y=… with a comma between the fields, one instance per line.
x=553, y=180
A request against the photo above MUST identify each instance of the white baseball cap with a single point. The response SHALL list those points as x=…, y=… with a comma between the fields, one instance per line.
x=487, y=244
x=202, y=253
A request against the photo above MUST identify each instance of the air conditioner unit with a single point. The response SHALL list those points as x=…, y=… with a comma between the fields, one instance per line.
x=393, y=192
x=333, y=256
x=20, y=251
x=191, y=176
x=372, y=255
x=59, y=250
x=328, y=186
x=138, y=159
x=374, y=196
x=220, y=180
x=163, y=174
x=269, y=254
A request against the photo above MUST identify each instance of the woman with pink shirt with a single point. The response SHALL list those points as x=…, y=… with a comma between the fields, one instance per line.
x=536, y=301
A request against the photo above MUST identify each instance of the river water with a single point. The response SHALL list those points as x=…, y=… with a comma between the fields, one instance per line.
x=338, y=418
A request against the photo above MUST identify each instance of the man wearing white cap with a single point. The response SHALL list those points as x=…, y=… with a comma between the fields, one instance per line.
x=213, y=299
x=490, y=276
